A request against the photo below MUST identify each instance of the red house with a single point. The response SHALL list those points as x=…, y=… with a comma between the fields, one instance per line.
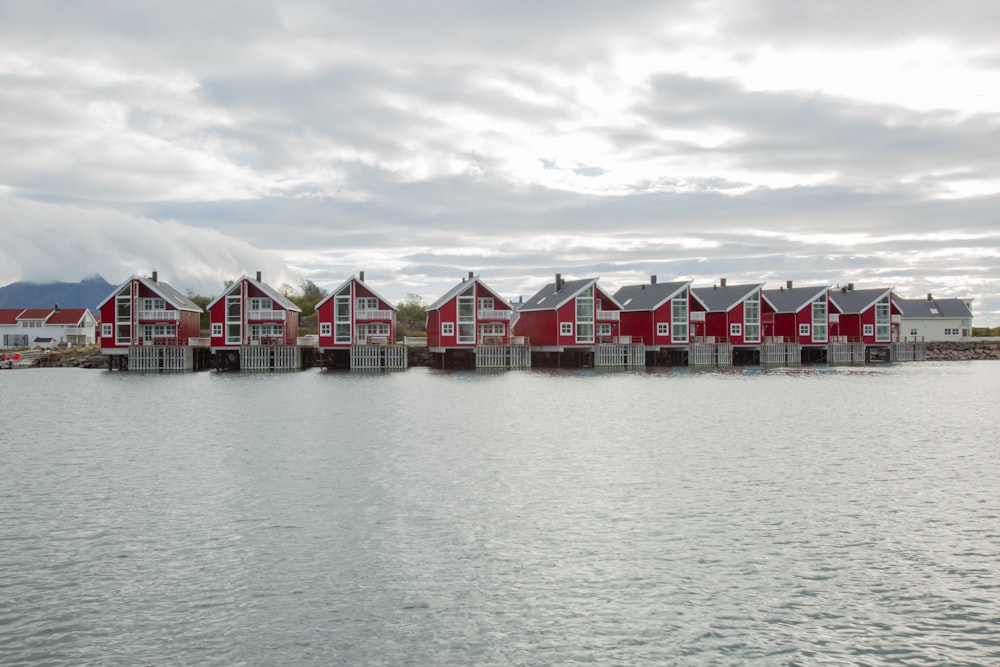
x=357, y=328
x=469, y=314
x=796, y=314
x=656, y=314
x=251, y=312
x=862, y=316
x=569, y=316
x=469, y=326
x=726, y=314
x=144, y=311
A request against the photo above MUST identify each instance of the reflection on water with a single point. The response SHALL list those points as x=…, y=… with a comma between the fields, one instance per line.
x=668, y=516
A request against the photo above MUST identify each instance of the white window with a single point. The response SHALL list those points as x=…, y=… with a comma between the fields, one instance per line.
x=869, y=329
x=662, y=328
x=324, y=329
x=679, y=316
x=751, y=317
x=217, y=330
x=803, y=329
x=466, y=316
x=735, y=329
x=260, y=303
x=447, y=328
x=367, y=303
x=153, y=304
x=913, y=332
x=342, y=318
x=584, y=319
x=485, y=303
x=566, y=329
x=604, y=329
x=106, y=330
x=234, y=320
x=819, y=321
x=882, y=318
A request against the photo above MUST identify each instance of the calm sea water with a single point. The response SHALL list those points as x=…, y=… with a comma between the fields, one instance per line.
x=795, y=516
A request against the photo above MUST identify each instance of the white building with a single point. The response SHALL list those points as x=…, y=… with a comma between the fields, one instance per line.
x=933, y=319
x=46, y=327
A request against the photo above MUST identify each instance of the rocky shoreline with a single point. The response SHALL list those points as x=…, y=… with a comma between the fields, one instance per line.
x=91, y=357
x=964, y=351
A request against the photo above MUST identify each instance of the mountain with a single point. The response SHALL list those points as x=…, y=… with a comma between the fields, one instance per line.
x=85, y=294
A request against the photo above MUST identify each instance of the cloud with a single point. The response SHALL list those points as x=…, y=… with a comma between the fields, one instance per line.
x=764, y=140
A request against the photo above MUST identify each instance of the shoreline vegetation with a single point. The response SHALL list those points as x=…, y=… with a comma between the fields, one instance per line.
x=90, y=356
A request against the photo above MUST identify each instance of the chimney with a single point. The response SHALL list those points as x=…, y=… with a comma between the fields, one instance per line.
x=558, y=281
x=56, y=307
x=722, y=282
x=850, y=287
x=930, y=297
x=471, y=274
x=361, y=276
x=652, y=280
x=155, y=276
x=788, y=284
x=258, y=276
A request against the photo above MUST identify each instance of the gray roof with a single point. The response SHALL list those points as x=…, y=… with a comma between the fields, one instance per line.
x=462, y=287
x=170, y=295
x=721, y=299
x=548, y=298
x=792, y=299
x=856, y=301
x=275, y=295
x=950, y=308
x=648, y=296
x=346, y=283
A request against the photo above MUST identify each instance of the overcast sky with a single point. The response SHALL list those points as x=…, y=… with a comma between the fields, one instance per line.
x=757, y=140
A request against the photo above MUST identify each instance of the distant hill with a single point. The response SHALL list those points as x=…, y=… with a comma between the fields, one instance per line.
x=85, y=294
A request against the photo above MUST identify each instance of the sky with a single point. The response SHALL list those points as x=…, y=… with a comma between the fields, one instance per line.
x=753, y=140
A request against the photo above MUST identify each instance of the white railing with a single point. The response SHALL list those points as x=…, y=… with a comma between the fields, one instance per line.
x=485, y=314
x=698, y=316
x=609, y=315
x=159, y=315
x=896, y=319
x=372, y=340
x=307, y=341
x=372, y=315
x=199, y=342
x=267, y=315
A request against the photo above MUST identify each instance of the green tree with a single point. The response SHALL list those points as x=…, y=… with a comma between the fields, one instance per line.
x=307, y=296
x=411, y=317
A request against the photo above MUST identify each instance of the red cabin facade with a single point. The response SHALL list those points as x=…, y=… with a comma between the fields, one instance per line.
x=862, y=316
x=726, y=314
x=797, y=314
x=355, y=314
x=251, y=312
x=143, y=311
x=569, y=314
x=656, y=314
x=468, y=315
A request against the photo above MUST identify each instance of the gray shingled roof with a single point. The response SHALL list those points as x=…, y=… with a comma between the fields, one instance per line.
x=548, y=298
x=922, y=308
x=792, y=299
x=647, y=296
x=275, y=295
x=721, y=299
x=856, y=301
x=170, y=295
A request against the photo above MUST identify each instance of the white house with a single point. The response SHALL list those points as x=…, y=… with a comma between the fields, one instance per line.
x=46, y=327
x=933, y=319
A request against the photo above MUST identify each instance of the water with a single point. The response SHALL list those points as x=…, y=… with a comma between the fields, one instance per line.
x=796, y=516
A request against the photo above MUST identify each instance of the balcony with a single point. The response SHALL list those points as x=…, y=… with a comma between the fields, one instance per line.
x=267, y=315
x=159, y=315
x=370, y=315
x=609, y=315
x=489, y=314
